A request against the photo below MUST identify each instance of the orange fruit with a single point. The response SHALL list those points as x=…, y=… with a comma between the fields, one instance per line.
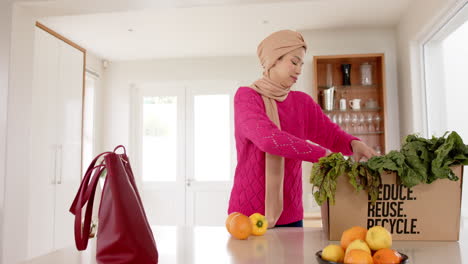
x=240, y=226
x=357, y=256
x=229, y=218
x=387, y=256
x=351, y=234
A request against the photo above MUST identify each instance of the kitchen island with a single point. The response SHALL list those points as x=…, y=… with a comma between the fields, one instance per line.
x=204, y=245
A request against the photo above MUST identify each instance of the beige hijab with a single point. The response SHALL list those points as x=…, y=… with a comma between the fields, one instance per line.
x=269, y=51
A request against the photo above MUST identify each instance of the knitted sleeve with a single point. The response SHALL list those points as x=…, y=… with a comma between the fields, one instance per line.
x=324, y=132
x=252, y=122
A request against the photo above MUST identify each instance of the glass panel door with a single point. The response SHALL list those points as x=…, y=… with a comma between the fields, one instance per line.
x=212, y=137
x=159, y=138
x=185, y=156
x=210, y=151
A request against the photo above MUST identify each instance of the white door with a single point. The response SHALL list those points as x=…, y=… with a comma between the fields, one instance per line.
x=69, y=113
x=210, y=152
x=184, y=151
x=43, y=144
x=160, y=146
x=55, y=142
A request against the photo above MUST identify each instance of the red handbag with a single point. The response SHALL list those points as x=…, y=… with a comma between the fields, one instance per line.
x=124, y=234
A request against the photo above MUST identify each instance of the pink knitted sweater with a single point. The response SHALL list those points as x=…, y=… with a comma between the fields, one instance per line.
x=300, y=118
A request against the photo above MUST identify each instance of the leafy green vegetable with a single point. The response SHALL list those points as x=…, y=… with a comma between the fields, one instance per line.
x=362, y=177
x=393, y=161
x=325, y=174
x=419, y=161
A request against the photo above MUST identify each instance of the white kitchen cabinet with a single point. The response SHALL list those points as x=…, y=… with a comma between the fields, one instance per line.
x=55, y=142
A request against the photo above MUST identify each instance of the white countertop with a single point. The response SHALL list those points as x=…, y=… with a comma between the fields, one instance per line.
x=204, y=245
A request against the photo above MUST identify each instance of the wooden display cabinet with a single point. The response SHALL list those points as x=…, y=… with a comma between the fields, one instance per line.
x=364, y=123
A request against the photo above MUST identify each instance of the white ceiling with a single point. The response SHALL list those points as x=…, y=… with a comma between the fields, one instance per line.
x=200, y=28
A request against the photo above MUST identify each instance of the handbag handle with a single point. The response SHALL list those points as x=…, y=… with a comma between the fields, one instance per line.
x=82, y=232
x=120, y=146
x=86, y=195
x=85, y=181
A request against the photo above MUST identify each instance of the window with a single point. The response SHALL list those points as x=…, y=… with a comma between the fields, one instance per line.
x=212, y=137
x=445, y=72
x=88, y=119
x=445, y=67
x=159, y=138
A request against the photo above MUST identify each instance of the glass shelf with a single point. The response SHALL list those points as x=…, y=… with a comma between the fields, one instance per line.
x=350, y=87
x=352, y=110
x=367, y=133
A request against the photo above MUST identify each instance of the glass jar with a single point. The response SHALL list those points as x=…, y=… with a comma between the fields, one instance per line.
x=366, y=74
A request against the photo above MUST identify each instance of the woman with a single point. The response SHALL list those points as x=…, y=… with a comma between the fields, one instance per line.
x=274, y=127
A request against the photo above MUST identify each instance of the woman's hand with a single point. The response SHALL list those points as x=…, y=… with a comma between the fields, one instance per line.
x=360, y=150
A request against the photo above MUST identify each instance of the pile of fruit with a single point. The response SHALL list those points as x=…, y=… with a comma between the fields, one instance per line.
x=359, y=245
x=241, y=226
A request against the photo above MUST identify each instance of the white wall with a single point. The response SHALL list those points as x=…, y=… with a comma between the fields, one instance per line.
x=5, y=34
x=17, y=156
x=413, y=29
x=119, y=76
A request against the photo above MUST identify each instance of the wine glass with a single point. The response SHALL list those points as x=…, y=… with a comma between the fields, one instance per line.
x=340, y=120
x=354, y=122
x=378, y=150
x=370, y=126
x=346, y=119
x=377, y=120
x=362, y=123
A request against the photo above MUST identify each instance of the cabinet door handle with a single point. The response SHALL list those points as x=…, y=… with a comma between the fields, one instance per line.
x=54, y=175
x=60, y=157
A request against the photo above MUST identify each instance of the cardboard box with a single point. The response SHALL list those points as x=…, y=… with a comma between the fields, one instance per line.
x=424, y=212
